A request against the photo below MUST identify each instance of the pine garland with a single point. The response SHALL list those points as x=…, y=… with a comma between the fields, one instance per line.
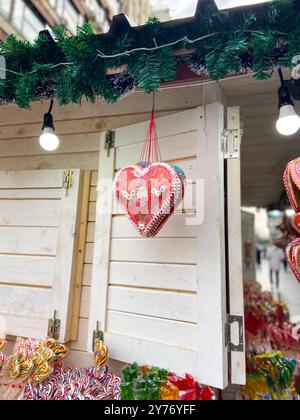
x=248, y=39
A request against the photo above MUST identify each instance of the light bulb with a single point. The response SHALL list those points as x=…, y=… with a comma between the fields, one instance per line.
x=288, y=122
x=49, y=140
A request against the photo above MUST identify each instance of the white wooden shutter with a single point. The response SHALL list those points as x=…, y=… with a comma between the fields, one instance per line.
x=162, y=301
x=38, y=219
x=234, y=246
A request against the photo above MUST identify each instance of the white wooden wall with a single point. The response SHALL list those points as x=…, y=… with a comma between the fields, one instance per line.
x=20, y=150
x=38, y=246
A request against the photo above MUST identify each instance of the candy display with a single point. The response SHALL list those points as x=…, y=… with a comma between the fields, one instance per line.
x=75, y=384
x=35, y=371
x=271, y=378
x=32, y=361
x=148, y=383
x=150, y=191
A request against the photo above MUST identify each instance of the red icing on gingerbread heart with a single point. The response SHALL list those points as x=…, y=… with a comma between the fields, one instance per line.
x=295, y=224
x=149, y=195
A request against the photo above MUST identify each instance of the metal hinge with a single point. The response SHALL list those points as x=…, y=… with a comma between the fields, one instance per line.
x=110, y=138
x=97, y=335
x=68, y=180
x=54, y=327
x=232, y=319
x=231, y=143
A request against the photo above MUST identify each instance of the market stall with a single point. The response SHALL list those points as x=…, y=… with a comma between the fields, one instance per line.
x=174, y=300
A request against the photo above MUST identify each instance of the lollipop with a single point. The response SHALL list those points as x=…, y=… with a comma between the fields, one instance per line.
x=100, y=354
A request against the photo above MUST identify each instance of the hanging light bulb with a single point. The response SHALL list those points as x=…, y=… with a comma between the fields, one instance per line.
x=48, y=139
x=288, y=122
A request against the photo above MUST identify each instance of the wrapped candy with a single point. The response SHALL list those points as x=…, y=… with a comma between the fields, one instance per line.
x=146, y=383
x=272, y=379
x=100, y=354
x=32, y=361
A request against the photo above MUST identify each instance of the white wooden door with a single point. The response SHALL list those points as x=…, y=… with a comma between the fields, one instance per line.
x=234, y=251
x=38, y=226
x=162, y=301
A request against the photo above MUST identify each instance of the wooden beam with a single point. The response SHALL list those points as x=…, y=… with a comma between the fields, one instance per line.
x=80, y=247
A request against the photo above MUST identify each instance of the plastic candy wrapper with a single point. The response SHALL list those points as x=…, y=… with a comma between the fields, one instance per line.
x=273, y=378
x=32, y=361
x=100, y=354
x=76, y=385
x=146, y=383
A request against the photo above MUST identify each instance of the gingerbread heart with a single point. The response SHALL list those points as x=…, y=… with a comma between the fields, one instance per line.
x=295, y=224
x=149, y=194
x=293, y=257
x=291, y=179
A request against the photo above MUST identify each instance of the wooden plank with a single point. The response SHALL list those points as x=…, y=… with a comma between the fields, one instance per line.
x=172, y=148
x=27, y=270
x=90, y=236
x=166, y=127
x=156, y=276
x=31, y=328
x=25, y=302
x=159, y=250
x=67, y=248
x=80, y=257
x=137, y=103
x=80, y=126
x=81, y=343
x=87, y=275
x=146, y=352
x=29, y=213
x=175, y=228
x=156, y=303
x=92, y=212
x=94, y=179
x=28, y=240
x=178, y=334
x=234, y=223
x=73, y=143
x=211, y=313
x=84, y=126
x=85, y=161
x=89, y=253
x=28, y=179
x=85, y=303
x=93, y=194
x=29, y=194
x=101, y=256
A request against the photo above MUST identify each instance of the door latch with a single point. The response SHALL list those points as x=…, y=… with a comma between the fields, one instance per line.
x=54, y=327
x=97, y=335
x=110, y=138
x=232, y=319
x=231, y=141
x=68, y=180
